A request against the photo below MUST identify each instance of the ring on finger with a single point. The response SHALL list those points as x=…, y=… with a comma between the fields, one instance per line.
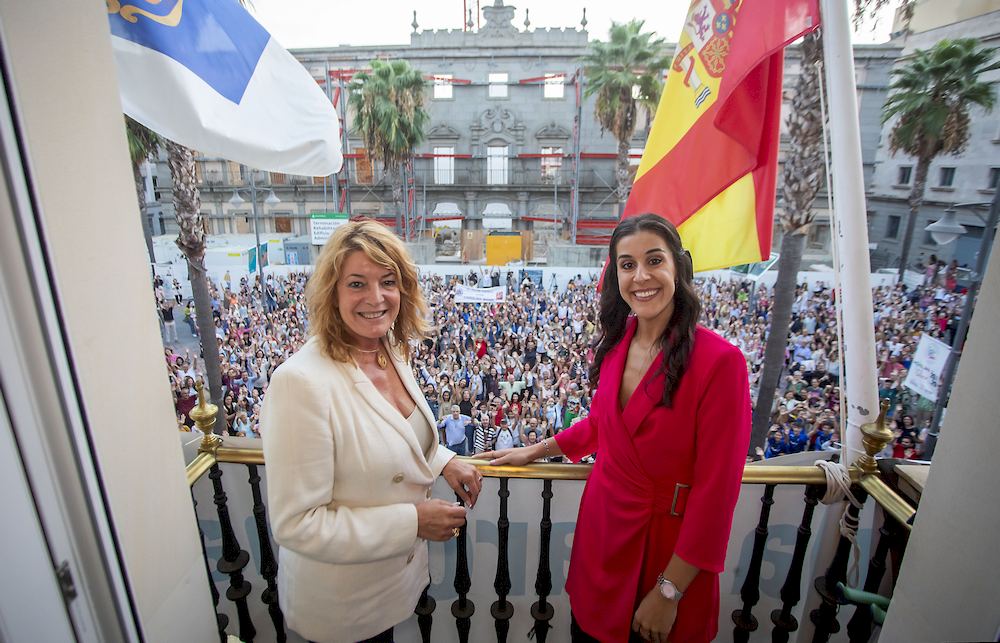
x=456, y=531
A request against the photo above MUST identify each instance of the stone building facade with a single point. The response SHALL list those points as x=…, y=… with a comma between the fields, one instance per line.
x=971, y=177
x=510, y=137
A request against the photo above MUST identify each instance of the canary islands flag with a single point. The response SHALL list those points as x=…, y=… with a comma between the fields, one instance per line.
x=710, y=163
x=205, y=74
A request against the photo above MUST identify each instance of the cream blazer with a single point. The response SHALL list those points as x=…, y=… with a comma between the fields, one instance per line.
x=344, y=471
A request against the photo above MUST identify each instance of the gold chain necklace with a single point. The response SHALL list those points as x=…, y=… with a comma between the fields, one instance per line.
x=380, y=359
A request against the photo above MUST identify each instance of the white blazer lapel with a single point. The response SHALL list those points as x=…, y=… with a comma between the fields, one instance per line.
x=406, y=375
x=387, y=412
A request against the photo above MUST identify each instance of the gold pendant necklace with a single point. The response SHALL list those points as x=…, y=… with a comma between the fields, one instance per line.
x=380, y=359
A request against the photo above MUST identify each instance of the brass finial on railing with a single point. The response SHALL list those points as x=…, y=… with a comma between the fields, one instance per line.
x=876, y=437
x=204, y=418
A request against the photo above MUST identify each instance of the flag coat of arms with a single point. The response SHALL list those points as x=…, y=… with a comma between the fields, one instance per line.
x=710, y=162
x=205, y=74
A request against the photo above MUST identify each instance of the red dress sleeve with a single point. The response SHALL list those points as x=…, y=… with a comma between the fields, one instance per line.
x=578, y=440
x=722, y=436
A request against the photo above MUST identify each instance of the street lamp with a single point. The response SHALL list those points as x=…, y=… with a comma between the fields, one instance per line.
x=945, y=231
x=272, y=199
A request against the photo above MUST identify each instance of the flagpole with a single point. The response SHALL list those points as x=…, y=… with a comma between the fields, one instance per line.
x=849, y=206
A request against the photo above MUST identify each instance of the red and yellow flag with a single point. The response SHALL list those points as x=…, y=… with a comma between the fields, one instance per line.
x=711, y=159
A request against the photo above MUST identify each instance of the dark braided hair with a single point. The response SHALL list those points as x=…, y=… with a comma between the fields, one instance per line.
x=678, y=337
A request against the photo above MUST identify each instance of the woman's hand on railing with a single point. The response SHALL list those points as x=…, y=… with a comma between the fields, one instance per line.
x=439, y=520
x=514, y=457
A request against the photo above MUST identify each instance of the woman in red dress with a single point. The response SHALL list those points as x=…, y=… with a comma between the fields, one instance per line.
x=670, y=423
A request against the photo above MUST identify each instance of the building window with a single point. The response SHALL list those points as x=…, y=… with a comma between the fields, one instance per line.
x=443, y=86
x=496, y=165
x=892, y=226
x=928, y=239
x=235, y=175
x=905, y=173
x=444, y=165
x=947, y=178
x=819, y=235
x=282, y=223
x=277, y=178
x=363, y=173
x=498, y=85
x=994, y=180
x=551, y=164
x=554, y=87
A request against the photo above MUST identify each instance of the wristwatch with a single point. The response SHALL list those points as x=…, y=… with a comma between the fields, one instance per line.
x=668, y=589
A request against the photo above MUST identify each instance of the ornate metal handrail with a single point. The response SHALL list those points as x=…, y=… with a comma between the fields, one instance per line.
x=863, y=475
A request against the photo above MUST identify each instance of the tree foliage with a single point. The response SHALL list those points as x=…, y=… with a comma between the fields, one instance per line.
x=931, y=97
x=625, y=73
x=388, y=111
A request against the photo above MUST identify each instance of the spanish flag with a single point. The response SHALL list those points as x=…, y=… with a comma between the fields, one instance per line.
x=711, y=159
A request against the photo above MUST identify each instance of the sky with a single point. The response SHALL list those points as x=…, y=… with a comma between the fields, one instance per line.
x=327, y=23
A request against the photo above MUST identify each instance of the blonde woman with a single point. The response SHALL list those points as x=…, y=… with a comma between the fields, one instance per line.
x=351, y=451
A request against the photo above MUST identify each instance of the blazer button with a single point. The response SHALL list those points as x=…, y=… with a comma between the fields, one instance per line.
x=397, y=478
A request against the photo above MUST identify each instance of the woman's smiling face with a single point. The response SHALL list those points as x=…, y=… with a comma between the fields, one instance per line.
x=646, y=276
x=367, y=297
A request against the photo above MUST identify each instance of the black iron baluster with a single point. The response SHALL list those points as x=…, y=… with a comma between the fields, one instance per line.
x=221, y=620
x=502, y=609
x=859, y=628
x=784, y=622
x=463, y=609
x=424, y=611
x=268, y=563
x=824, y=618
x=743, y=618
x=233, y=559
x=542, y=611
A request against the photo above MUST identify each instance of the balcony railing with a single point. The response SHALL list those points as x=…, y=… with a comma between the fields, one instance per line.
x=540, y=614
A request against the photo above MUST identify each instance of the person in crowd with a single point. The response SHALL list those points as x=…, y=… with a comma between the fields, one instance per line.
x=656, y=513
x=453, y=430
x=350, y=448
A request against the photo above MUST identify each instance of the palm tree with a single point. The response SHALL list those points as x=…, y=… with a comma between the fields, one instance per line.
x=930, y=98
x=389, y=115
x=625, y=73
x=142, y=142
x=191, y=241
x=802, y=177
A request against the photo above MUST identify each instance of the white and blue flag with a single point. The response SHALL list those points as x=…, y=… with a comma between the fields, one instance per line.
x=205, y=74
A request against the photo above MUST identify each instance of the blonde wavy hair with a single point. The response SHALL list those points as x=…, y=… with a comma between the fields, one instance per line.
x=383, y=248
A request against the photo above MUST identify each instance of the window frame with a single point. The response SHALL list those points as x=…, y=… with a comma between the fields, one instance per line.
x=949, y=171
x=496, y=84
x=446, y=86
x=893, y=221
x=444, y=166
x=909, y=175
x=550, y=166
x=498, y=175
x=553, y=80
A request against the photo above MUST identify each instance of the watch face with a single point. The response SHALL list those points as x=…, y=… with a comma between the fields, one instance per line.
x=668, y=590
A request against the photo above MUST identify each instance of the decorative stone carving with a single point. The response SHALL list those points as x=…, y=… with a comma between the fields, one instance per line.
x=499, y=21
x=443, y=131
x=552, y=131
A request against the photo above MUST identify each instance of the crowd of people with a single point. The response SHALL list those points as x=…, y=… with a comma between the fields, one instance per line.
x=512, y=373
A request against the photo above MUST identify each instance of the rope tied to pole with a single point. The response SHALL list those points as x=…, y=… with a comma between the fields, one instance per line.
x=838, y=489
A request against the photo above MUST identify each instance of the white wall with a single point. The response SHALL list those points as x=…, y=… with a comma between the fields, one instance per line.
x=947, y=589
x=67, y=99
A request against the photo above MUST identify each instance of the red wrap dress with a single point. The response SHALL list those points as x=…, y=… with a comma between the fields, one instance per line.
x=666, y=481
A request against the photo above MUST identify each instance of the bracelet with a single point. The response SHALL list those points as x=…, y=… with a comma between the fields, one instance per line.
x=545, y=446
